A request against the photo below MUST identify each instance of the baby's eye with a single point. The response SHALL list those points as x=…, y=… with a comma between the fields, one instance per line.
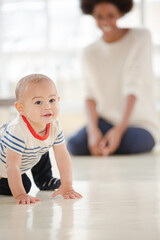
x=52, y=100
x=38, y=102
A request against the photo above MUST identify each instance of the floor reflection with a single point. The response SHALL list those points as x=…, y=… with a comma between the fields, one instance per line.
x=120, y=202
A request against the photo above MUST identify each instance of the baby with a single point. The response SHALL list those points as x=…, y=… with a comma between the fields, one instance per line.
x=29, y=136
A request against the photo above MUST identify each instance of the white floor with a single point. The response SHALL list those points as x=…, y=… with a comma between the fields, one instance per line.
x=121, y=201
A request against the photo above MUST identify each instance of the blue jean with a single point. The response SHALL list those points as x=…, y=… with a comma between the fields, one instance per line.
x=41, y=172
x=134, y=140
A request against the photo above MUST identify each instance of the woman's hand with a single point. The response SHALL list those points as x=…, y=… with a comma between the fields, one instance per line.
x=67, y=193
x=111, y=140
x=94, y=138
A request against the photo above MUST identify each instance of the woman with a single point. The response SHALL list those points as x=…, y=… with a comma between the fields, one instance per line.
x=119, y=81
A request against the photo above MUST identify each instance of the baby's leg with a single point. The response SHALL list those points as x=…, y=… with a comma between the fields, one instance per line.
x=5, y=189
x=42, y=174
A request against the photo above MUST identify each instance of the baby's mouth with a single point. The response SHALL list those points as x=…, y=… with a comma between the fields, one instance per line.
x=47, y=115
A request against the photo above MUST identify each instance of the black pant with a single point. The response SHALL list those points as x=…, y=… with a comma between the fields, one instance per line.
x=41, y=172
x=4, y=187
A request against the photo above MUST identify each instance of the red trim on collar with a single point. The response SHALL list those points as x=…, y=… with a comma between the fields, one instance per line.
x=34, y=133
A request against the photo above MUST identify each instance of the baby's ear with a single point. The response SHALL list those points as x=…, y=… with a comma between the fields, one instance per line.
x=58, y=98
x=19, y=107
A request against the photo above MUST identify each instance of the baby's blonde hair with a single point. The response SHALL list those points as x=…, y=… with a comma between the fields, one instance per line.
x=23, y=83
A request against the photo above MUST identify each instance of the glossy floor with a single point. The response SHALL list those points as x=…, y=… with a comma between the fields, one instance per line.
x=121, y=201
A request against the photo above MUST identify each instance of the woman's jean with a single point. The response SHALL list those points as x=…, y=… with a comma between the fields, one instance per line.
x=134, y=140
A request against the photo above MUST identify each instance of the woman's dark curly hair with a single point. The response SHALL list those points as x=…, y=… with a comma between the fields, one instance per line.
x=124, y=6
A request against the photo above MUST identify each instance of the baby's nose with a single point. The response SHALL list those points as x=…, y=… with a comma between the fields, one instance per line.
x=46, y=105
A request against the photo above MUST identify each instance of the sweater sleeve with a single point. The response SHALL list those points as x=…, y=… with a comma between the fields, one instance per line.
x=87, y=76
x=138, y=67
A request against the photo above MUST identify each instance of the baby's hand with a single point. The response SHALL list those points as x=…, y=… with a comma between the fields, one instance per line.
x=67, y=193
x=26, y=199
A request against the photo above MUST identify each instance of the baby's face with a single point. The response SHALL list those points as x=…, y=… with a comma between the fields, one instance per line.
x=40, y=103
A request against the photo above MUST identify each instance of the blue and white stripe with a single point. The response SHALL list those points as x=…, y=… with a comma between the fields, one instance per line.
x=18, y=138
x=60, y=138
x=13, y=142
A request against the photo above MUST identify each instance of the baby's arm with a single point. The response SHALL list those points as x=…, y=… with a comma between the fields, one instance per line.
x=15, y=179
x=65, y=168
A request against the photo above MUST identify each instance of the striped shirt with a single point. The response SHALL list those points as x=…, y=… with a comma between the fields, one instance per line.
x=21, y=138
